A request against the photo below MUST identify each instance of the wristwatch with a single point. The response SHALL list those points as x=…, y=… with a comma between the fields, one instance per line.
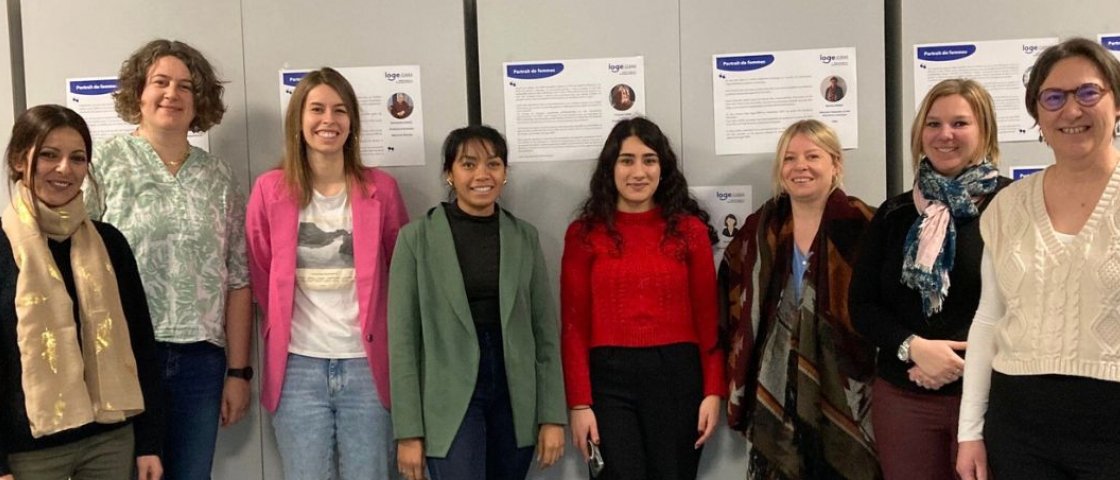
x=242, y=373
x=904, y=349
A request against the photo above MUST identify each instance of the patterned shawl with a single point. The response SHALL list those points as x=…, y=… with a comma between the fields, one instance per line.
x=822, y=417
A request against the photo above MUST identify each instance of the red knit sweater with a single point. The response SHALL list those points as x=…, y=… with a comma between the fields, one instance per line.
x=651, y=293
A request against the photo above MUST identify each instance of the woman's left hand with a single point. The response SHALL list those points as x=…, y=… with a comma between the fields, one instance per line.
x=550, y=444
x=235, y=401
x=922, y=380
x=148, y=467
x=709, y=417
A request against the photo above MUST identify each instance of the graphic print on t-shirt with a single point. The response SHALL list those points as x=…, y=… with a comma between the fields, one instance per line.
x=326, y=253
x=325, y=313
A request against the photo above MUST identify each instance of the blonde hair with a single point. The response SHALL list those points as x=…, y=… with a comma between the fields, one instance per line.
x=297, y=170
x=982, y=108
x=822, y=136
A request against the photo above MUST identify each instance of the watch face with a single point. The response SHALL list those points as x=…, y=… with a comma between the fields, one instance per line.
x=904, y=351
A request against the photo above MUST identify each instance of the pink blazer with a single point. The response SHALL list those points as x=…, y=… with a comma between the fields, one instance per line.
x=271, y=230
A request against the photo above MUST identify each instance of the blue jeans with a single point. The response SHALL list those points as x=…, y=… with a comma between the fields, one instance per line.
x=193, y=377
x=330, y=420
x=485, y=447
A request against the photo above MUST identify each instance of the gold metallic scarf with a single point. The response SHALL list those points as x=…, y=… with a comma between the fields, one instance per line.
x=70, y=378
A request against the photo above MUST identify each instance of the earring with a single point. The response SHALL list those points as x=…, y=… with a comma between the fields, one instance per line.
x=1041, y=139
x=449, y=182
x=505, y=181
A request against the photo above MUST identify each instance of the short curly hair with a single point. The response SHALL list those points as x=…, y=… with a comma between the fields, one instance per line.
x=207, y=89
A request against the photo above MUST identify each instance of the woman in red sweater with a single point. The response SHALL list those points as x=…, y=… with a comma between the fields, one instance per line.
x=642, y=368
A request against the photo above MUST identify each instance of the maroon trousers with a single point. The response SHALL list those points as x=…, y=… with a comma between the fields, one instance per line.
x=915, y=433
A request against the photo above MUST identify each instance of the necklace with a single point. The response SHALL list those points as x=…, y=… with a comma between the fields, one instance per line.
x=174, y=164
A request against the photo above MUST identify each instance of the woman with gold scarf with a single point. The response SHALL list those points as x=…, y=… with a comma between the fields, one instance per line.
x=78, y=378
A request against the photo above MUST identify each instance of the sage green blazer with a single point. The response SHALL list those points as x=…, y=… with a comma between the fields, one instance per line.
x=433, y=347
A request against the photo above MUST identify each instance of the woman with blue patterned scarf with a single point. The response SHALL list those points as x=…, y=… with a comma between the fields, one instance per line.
x=917, y=281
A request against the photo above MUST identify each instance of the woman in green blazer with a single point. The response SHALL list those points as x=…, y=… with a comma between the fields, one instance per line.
x=474, y=355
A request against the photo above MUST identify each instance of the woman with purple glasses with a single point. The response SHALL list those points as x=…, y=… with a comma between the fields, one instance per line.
x=1042, y=376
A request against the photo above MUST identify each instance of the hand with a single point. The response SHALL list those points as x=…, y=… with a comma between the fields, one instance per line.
x=550, y=444
x=410, y=458
x=709, y=417
x=8, y=477
x=148, y=467
x=924, y=381
x=235, y=400
x=937, y=358
x=584, y=426
x=972, y=460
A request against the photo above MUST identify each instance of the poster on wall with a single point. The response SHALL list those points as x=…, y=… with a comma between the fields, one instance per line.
x=757, y=95
x=1020, y=172
x=1001, y=66
x=728, y=207
x=562, y=110
x=392, y=113
x=1111, y=41
x=92, y=98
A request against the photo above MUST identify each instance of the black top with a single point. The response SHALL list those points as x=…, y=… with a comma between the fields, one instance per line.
x=478, y=247
x=886, y=311
x=15, y=429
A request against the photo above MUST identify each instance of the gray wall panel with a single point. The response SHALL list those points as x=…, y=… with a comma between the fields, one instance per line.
x=113, y=29
x=7, y=104
x=302, y=34
x=547, y=193
x=964, y=21
x=734, y=26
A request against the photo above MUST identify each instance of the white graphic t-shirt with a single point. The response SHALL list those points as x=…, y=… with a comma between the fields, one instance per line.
x=325, y=317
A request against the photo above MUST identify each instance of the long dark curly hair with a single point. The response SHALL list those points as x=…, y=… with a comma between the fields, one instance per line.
x=671, y=194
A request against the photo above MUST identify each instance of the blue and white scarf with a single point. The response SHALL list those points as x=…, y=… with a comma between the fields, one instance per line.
x=931, y=244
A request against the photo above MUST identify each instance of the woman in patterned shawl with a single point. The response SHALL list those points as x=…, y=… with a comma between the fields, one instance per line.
x=799, y=375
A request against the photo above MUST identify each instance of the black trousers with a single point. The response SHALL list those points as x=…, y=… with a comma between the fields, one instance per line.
x=1043, y=427
x=647, y=403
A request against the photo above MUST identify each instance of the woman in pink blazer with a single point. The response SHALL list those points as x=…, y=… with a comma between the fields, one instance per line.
x=326, y=368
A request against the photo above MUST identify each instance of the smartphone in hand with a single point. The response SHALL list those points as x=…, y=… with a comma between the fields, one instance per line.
x=595, y=460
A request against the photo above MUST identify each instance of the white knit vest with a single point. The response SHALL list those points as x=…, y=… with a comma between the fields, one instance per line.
x=1062, y=312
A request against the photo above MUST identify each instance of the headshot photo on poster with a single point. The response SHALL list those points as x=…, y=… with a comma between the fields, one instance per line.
x=622, y=97
x=400, y=105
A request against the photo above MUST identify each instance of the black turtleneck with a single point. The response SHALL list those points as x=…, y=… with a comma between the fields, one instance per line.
x=478, y=248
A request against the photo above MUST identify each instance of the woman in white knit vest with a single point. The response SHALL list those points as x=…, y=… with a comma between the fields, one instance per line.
x=1042, y=377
